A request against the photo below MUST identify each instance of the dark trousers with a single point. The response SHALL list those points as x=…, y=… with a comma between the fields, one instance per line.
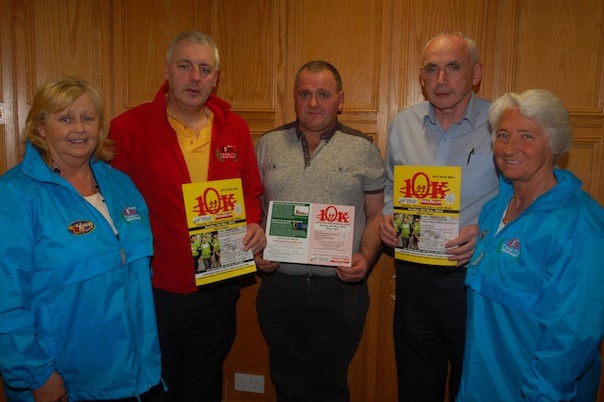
x=155, y=394
x=195, y=338
x=312, y=326
x=429, y=331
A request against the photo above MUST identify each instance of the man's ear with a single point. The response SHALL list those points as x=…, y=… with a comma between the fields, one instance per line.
x=477, y=76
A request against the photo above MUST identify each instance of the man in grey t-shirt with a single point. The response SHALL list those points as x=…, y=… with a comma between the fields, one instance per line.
x=312, y=316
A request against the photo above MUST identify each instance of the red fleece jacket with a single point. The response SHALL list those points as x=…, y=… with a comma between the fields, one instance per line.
x=148, y=151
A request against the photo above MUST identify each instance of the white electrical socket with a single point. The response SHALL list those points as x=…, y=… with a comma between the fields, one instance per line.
x=249, y=383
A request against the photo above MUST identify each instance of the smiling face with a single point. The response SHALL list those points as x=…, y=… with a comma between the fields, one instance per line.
x=317, y=101
x=191, y=75
x=521, y=148
x=448, y=73
x=72, y=134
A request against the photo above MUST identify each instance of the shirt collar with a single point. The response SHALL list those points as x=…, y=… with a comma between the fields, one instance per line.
x=471, y=115
x=325, y=136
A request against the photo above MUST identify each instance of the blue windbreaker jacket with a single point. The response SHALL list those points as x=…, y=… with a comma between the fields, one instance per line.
x=73, y=297
x=536, y=299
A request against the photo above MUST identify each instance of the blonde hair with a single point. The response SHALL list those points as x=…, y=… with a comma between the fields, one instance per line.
x=57, y=95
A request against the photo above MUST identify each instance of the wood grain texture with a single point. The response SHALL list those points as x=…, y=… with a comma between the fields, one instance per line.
x=120, y=46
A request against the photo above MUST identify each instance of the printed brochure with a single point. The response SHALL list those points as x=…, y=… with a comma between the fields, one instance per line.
x=215, y=213
x=426, y=212
x=307, y=233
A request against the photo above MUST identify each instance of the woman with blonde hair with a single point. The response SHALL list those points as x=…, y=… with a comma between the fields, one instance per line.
x=77, y=320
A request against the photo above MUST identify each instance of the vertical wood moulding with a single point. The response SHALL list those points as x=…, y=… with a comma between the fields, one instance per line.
x=503, y=48
x=281, y=10
x=385, y=79
x=6, y=112
x=118, y=40
x=23, y=53
x=279, y=61
x=291, y=61
x=600, y=87
x=482, y=40
x=104, y=61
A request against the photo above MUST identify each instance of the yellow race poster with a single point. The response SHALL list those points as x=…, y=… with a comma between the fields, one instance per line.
x=426, y=212
x=215, y=213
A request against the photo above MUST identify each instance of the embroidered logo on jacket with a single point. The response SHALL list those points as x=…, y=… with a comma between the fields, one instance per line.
x=511, y=247
x=227, y=152
x=81, y=227
x=131, y=214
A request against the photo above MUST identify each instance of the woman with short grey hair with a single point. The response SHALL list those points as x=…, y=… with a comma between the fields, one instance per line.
x=535, y=304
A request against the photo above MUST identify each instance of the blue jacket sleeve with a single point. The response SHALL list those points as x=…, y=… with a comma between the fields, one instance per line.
x=23, y=363
x=571, y=320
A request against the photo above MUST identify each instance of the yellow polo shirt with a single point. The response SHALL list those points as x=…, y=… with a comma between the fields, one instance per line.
x=195, y=147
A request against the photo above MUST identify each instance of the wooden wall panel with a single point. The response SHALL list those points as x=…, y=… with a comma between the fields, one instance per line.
x=248, y=35
x=386, y=388
x=559, y=47
x=119, y=45
x=585, y=160
x=249, y=354
x=51, y=50
x=70, y=47
x=56, y=39
x=251, y=44
x=142, y=31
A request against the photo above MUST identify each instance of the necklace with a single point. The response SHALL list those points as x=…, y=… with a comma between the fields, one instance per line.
x=515, y=209
x=511, y=213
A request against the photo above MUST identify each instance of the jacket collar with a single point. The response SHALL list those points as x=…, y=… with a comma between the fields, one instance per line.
x=568, y=185
x=35, y=167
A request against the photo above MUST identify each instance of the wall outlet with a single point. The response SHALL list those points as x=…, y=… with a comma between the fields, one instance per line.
x=249, y=383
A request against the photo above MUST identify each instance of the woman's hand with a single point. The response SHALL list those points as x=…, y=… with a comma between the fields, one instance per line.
x=53, y=390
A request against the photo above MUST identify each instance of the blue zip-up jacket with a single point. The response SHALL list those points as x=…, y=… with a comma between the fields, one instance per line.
x=74, y=298
x=536, y=299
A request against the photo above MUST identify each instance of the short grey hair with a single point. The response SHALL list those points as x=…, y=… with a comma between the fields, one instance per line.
x=471, y=47
x=192, y=36
x=542, y=106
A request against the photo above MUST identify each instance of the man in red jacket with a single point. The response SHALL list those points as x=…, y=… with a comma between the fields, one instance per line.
x=185, y=135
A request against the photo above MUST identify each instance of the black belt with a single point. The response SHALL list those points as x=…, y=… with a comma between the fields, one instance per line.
x=145, y=396
x=446, y=270
x=434, y=268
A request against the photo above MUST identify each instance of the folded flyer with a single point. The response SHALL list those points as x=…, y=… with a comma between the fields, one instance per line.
x=307, y=233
